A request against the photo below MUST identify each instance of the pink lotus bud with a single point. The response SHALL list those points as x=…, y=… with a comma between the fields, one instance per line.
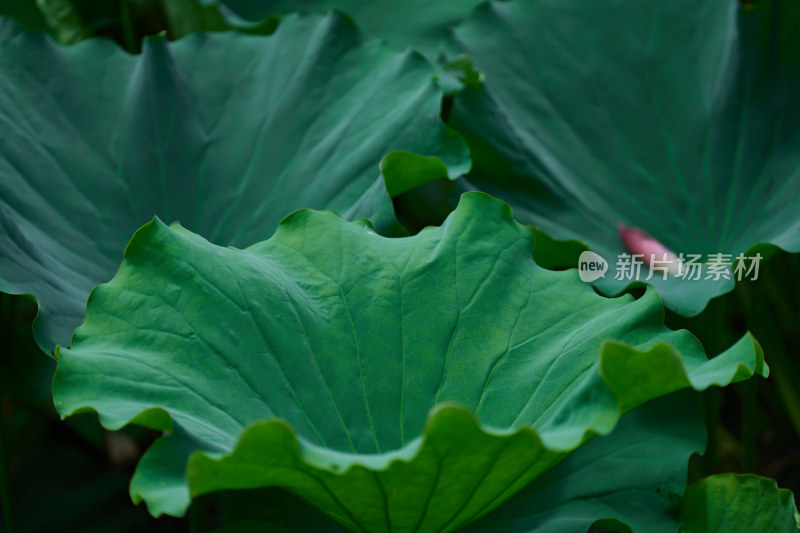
x=654, y=254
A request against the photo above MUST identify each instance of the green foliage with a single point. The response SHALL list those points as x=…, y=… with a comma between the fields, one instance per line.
x=405, y=364
x=728, y=502
x=675, y=117
x=174, y=136
x=175, y=340
x=600, y=479
x=604, y=479
x=418, y=23
x=64, y=19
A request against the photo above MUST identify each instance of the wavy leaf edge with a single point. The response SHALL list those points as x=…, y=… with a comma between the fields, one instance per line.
x=741, y=361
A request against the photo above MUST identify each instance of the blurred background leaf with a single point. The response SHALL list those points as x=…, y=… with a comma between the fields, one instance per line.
x=69, y=476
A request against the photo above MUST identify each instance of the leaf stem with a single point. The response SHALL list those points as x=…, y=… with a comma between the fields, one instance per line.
x=128, y=29
x=6, y=496
x=711, y=401
x=785, y=385
x=748, y=437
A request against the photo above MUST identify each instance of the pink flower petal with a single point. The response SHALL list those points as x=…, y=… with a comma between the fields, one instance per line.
x=637, y=242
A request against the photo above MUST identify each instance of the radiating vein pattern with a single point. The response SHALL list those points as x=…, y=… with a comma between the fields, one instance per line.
x=226, y=133
x=446, y=369
x=678, y=118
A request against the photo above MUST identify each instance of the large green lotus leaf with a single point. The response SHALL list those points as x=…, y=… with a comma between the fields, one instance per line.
x=418, y=23
x=311, y=361
x=680, y=118
x=731, y=502
x=227, y=133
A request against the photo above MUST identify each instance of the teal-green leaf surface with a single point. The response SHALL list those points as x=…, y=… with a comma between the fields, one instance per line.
x=312, y=361
x=600, y=481
x=634, y=476
x=225, y=132
x=679, y=118
x=731, y=502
